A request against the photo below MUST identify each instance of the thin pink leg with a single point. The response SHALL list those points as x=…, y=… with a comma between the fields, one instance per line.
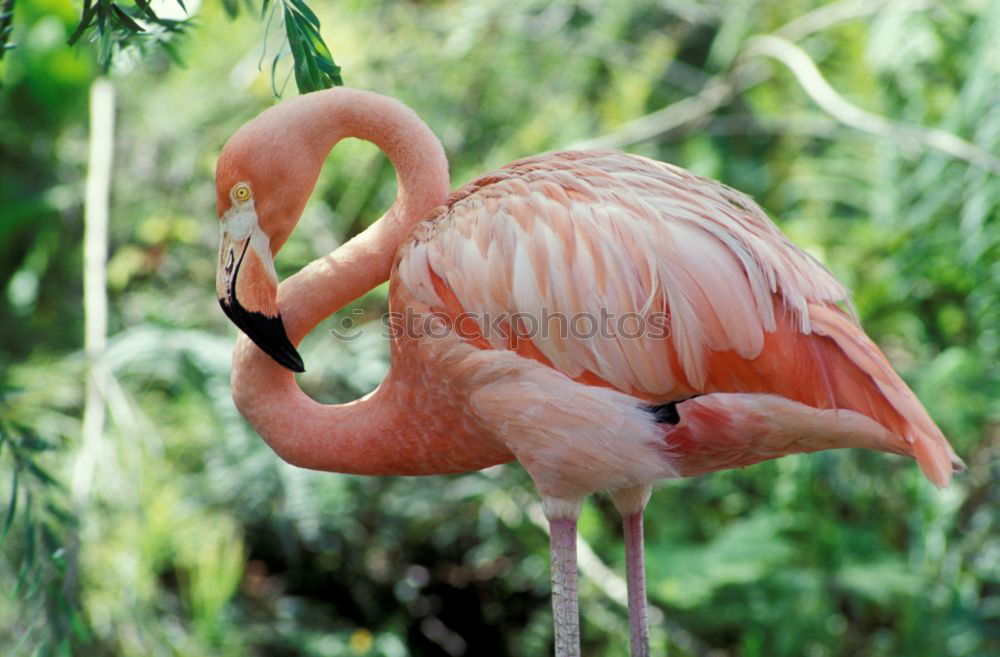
x=636, y=577
x=565, y=606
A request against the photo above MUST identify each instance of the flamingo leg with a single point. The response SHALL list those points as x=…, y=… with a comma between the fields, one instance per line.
x=562, y=515
x=630, y=504
x=636, y=577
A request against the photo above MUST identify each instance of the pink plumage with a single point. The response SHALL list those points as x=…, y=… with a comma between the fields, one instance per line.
x=753, y=353
x=575, y=234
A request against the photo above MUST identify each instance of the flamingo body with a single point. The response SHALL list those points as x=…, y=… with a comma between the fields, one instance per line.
x=737, y=347
x=578, y=234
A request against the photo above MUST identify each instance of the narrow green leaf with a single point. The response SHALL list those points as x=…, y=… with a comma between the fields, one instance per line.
x=59, y=513
x=298, y=54
x=125, y=20
x=102, y=17
x=315, y=76
x=89, y=13
x=106, y=47
x=274, y=67
x=28, y=561
x=143, y=5
x=323, y=59
x=41, y=474
x=12, y=505
x=306, y=12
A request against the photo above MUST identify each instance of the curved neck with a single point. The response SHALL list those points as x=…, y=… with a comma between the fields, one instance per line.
x=330, y=282
x=343, y=438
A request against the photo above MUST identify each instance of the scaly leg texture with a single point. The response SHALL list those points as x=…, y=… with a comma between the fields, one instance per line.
x=636, y=574
x=565, y=606
x=631, y=504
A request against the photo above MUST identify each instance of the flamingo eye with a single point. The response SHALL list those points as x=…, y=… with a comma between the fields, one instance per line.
x=241, y=192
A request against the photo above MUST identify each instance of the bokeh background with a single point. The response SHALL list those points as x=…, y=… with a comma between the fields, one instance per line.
x=167, y=527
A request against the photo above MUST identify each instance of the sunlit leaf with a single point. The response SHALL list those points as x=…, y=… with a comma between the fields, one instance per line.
x=313, y=64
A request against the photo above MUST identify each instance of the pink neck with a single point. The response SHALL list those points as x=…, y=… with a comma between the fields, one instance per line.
x=341, y=438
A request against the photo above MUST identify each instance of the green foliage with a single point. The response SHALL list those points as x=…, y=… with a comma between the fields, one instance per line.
x=37, y=528
x=197, y=540
x=113, y=26
x=314, y=67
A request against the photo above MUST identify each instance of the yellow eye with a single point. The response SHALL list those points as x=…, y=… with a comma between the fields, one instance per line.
x=241, y=192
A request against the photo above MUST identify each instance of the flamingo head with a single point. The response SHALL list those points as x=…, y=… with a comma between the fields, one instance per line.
x=246, y=282
x=261, y=189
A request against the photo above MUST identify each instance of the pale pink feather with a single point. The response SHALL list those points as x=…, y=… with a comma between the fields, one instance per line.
x=749, y=312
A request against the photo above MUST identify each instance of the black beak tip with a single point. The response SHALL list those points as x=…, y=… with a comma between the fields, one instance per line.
x=291, y=361
x=268, y=333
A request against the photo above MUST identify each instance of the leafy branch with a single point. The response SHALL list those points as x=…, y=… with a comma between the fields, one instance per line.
x=314, y=66
x=36, y=513
x=115, y=25
x=312, y=62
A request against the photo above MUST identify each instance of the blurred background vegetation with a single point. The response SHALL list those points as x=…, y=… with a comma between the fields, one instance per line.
x=174, y=530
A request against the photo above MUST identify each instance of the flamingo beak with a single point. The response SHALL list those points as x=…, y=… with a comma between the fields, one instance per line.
x=247, y=291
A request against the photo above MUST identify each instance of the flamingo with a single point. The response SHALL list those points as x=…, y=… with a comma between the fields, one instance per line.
x=749, y=349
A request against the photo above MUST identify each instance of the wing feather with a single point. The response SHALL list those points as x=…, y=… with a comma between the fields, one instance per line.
x=602, y=237
x=584, y=239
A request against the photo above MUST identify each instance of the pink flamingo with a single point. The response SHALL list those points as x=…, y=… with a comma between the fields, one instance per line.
x=745, y=353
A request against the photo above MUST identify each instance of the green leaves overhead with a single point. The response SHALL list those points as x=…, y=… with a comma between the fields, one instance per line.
x=115, y=25
x=313, y=64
